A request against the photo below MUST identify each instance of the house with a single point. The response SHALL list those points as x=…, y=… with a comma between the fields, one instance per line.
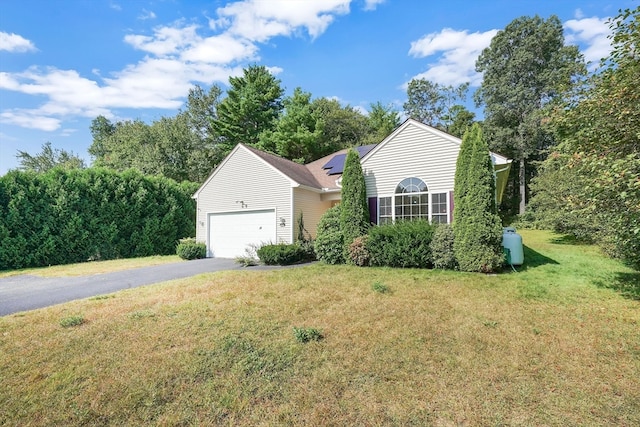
x=254, y=197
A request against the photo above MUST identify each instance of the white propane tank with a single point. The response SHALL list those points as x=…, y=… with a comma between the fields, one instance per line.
x=512, y=241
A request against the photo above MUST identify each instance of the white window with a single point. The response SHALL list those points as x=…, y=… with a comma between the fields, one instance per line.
x=412, y=200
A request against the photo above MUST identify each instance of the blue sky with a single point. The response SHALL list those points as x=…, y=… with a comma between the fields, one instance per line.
x=64, y=62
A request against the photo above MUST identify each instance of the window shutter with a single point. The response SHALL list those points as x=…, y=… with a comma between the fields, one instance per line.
x=450, y=207
x=373, y=210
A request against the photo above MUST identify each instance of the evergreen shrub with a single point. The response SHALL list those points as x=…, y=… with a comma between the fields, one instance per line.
x=477, y=227
x=283, y=254
x=329, y=246
x=190, y=249
x=354, y=209
x=401, y=244
x=442, y=247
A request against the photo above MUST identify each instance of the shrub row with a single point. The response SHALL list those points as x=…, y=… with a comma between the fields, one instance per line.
x=66, y=216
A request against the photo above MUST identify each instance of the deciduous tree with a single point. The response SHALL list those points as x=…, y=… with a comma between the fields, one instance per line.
x=49, y=158
x=525, y=69
x=297, y=133
x=435, y=104
x=599, y=130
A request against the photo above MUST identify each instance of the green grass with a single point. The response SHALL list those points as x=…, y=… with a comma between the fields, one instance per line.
x=93, y=267
x=555, y=344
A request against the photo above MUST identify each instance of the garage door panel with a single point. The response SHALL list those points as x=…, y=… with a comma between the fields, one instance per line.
x=231, y=233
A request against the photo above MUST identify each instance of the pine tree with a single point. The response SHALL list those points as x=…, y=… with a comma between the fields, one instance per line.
x=476, y=224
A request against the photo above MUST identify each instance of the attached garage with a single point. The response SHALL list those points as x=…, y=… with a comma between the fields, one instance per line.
x=231, y=233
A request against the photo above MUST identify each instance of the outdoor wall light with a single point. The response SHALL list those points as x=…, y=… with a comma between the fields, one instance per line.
x=282, y=222
x=242, y=203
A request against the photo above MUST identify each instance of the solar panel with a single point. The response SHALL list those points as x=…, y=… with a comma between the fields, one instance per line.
x=335, y=160
x=363, y=150
x=336, y=164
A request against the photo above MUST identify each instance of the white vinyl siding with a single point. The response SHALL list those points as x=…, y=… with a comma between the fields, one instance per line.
x=244, y=182
x=412, y=152
x=312, y=206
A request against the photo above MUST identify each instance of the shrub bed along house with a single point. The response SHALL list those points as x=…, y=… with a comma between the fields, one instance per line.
x=401, y=244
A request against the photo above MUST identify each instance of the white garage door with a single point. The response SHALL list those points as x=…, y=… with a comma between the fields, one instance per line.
x=231, y=233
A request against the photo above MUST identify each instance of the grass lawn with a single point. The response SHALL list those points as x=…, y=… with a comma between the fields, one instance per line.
x=557, y=343
x=93, y=267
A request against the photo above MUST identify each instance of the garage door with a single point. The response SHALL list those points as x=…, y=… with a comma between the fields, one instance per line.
x=231, y=233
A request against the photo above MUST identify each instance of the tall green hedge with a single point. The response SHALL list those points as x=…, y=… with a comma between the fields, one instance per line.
x=354, y=211
x=476, y=225
x=65, y=216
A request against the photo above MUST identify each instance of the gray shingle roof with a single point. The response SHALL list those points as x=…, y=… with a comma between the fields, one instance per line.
x=312, y=174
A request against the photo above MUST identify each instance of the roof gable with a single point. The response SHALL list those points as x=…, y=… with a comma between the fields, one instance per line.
x=497, y=158
x=296, y=173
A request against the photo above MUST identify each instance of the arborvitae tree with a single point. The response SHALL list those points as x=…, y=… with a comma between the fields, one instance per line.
x=476, y=224
x=354, y=215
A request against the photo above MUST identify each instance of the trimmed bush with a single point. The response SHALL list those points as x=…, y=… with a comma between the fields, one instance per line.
x=283, y=254
x=190, y=249
x=402, y=244
x=442, y=247
x=358, y=253
x=329, y=246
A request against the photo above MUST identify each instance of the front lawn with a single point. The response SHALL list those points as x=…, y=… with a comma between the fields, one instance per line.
x=557, y=343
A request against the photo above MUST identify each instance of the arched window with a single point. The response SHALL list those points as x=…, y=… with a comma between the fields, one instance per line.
x=411, y=201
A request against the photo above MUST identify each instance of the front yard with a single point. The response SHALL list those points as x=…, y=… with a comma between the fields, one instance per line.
x=557, y=343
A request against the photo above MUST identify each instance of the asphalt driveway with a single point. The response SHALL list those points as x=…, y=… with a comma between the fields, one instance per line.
x=28, y=292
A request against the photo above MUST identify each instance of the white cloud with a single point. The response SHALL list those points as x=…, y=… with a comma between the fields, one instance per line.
x=29, y=119
x=147, y=14
x=177, y=56
x=372, y=4
x=165, y=40
x=15, y=43
x=591, y=34
x=259, y=21
x=458, y=51
x=68, y=132
x=222, y=49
